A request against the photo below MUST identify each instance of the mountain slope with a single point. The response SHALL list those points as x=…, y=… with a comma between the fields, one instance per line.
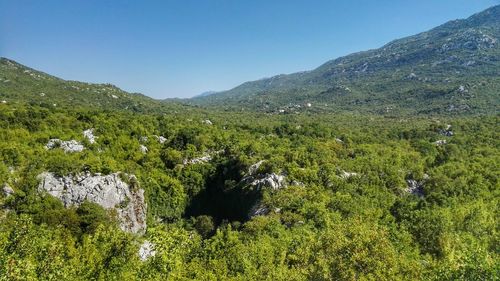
x=452, y=68
x=21, y=84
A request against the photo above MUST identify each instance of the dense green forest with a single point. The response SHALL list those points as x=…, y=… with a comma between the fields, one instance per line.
x=344, y=210
x=381, y=165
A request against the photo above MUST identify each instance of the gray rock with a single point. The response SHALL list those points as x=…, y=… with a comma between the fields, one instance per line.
x=206, y=157
x=272, y=181
x=89, y=134
x=146, y=251
x=297, y=183
x=258, y=210
x=447, y=132
x=415, y=187
x=109, y=191
x=68, y=146
x=203, y=159
x=346, y=175
x=161, y=139
x=143, y=149
x=254, y=167
x=462, y=89
x=440, y=142
x=7, y=190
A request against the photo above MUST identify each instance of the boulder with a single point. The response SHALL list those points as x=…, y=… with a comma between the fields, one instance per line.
x=7, y=190
x=346, y=175
x=89, y=134
x=440, y=142
x=161, y=139
x=146, y=251
x=203, y=159
x=272, y=181
x=108, y=191
x=255, y=167
x=415, y=187
x=447, y=131
x=258, y=210
x=68, y=146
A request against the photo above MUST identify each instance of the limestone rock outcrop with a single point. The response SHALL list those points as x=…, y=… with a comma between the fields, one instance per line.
x=109, y=191
x=7, y=190
x=68, y=146
x=259, y=181
x=262, y=181
x=146, y=251
x=416, y=187
x=272, y=181
x=89, y=134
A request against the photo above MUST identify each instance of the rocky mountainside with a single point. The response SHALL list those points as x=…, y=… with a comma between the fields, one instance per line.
x=452, y=68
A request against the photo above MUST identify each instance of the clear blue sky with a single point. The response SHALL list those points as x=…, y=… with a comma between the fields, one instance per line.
x=184, y=47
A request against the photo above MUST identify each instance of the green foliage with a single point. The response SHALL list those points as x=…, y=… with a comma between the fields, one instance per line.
x=345, y=214
x=204, y=225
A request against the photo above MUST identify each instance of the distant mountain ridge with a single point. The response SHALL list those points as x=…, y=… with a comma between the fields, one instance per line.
x=207, y=93
x=453, y=68
x=21, y=84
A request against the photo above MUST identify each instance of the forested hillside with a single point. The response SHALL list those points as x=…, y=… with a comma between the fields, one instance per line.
x=242, y=196
x=382, y=165
x=21, y=84
x=451, y=69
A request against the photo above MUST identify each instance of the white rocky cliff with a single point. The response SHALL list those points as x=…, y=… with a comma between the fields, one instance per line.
x=108, y=191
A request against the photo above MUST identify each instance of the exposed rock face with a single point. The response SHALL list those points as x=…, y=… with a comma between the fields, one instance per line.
x=440, y=142
x=258, y=210
x=207, y=122
x=447, y=131
x=143, y=149
x=161, y=139
x=203, y=159
x=273, y=181
x=346, y=175
x=255, y=167
x=260, y=181
x=108, y=191
x=7, y=190
x=146, y=251
x=415, y=187
x=206, y=157
x=89, y=134
x=297, y=183
x=68, y=146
